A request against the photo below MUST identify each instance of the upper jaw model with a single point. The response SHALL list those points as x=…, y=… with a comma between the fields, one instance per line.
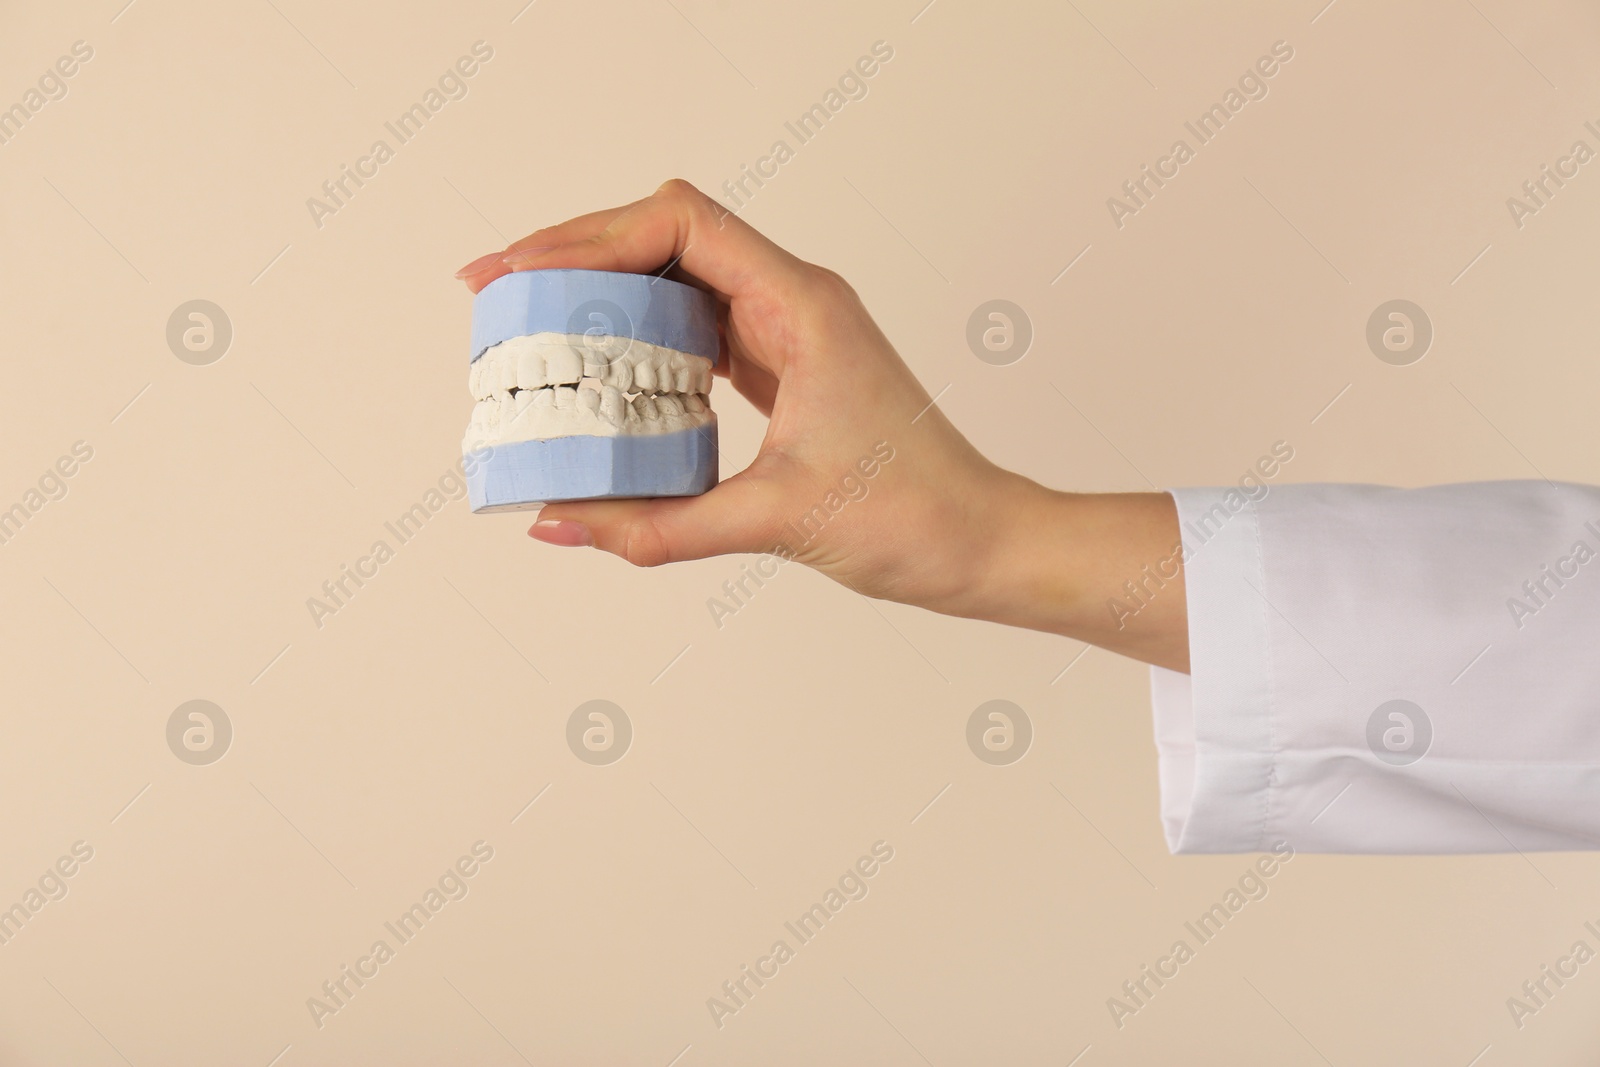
x=589, y=385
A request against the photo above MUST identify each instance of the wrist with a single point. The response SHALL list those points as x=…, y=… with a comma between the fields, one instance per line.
x=1105, y=568
x=1030, y=567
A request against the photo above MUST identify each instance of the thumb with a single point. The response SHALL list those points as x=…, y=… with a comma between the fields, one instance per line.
x=737, y=515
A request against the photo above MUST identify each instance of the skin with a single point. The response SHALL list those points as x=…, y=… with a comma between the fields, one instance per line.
x=941, y=527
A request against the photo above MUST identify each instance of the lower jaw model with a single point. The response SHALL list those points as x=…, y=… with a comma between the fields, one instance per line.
x=580, y=416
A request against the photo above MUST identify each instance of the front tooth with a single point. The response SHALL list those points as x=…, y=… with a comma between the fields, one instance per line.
x=530, y=370
x=613, y=406
x=644, y=376
x=564, y=365
x=543, y=399
x=686, y=378
x=474, y=373
x=694, y=404
x=646, y=407
x=566, y=397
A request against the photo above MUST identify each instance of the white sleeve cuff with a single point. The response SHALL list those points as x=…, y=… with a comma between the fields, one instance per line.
x=1313, y=607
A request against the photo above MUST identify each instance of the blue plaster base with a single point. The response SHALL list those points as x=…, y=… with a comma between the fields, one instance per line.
x=528, y=474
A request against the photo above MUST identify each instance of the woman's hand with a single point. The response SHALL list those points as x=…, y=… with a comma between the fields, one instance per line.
x=859, y=475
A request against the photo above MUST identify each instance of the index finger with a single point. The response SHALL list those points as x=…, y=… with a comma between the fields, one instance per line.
x=676, y=226
x=561, y=233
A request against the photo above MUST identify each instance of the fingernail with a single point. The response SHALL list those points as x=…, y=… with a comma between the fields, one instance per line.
x=479, y=264
x=561, y=532
x=524, y=255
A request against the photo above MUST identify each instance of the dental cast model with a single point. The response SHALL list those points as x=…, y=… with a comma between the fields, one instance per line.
x=589, y=384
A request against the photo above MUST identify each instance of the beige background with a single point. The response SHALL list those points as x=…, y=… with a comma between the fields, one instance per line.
x=769, y=754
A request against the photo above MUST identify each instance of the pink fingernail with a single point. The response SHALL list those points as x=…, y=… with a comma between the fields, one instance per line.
x=562, y=532
x=481, y=263
x=524, y=255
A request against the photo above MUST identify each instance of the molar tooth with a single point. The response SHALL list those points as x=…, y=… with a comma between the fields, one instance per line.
x=566, y=397
x=613, y=407
x=564, y=365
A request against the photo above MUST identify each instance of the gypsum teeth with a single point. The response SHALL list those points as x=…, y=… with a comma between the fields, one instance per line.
x=545, y=360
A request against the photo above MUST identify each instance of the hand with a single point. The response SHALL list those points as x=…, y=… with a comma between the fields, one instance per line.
x=859, y=476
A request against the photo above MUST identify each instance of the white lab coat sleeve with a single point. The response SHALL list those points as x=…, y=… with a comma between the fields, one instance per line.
x=1382, y=670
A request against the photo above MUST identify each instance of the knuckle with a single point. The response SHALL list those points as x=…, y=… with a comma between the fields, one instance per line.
x=644, y=545
x=830, y=283
x=678, y=189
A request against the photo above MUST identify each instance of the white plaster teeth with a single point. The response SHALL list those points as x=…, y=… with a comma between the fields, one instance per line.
x=543, y=360
x=644, y=377
x=564, y=365
x=620, y=374
x=530, y=369
x=545, y=386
